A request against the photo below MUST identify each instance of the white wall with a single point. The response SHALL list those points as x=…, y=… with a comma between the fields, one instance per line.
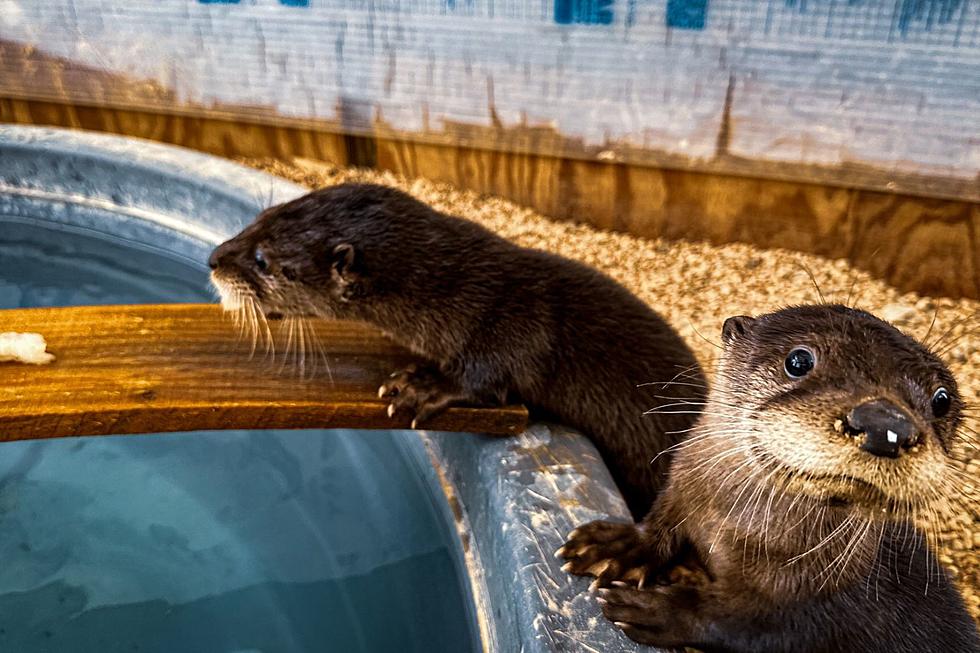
x=895, y=84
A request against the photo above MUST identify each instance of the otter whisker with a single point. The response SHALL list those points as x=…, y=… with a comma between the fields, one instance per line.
x=767, y=519
x=666, y=383
x=847, y=554
x=288, y=325
x=705, y=338
x=301, y=339
x=240, y=319
x=751, y=507
x=691, y=401
x=252, y=326
x=685, y=443
x=653, y=411
x=270, y=341
x=749, y=479
x=711, y=462
x=813, y=279
x=321, y=351
x=747, y=482
x=693, y=372
x=850, y=290
x=947, y=340
x=935, y=315
x=841, y=527
x=877, y=561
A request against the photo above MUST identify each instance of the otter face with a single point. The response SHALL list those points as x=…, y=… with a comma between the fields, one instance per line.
x=842, y=406
x=292, y=261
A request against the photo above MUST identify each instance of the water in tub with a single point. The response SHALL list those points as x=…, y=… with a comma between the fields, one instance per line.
x=213, y=542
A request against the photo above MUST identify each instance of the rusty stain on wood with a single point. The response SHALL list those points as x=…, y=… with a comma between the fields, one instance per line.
x=183, y=367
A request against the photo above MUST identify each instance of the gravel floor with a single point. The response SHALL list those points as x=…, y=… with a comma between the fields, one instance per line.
x=696, y=286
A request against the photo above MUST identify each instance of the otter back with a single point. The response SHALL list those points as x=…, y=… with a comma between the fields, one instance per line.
x=496, y=320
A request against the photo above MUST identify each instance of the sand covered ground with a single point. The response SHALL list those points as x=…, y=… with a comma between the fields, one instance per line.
x=696, y=286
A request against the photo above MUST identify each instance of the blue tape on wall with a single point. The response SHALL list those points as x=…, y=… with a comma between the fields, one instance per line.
x=587, y=12
x=687, y=14
x=928, y=12
x=288, y=3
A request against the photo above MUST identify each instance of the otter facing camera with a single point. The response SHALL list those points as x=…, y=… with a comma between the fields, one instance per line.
x=881, y=428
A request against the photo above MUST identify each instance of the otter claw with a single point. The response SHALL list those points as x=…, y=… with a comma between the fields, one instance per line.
x=599, y=568
x=391, y=410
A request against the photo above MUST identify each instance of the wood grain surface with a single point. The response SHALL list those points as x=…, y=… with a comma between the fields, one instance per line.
x=184, y=367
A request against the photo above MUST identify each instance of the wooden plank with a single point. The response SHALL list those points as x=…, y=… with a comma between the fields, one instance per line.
x=183, y=367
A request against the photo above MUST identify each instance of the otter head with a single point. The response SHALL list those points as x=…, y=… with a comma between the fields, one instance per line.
x=309, y=257
x=841, y=407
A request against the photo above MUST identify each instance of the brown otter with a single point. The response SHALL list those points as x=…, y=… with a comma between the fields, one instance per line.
x=791, y=507
x=498, y=321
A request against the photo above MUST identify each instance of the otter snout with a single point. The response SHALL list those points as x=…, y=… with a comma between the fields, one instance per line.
x=220, y=252
x=882, y=428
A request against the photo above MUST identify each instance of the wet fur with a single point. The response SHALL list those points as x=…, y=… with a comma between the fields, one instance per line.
x=789, y=536
x=498, y=321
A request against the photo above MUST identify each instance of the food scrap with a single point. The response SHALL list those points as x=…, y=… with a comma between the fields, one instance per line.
x=24, y=348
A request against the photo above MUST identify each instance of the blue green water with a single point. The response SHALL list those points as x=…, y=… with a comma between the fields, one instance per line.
x=219, y=542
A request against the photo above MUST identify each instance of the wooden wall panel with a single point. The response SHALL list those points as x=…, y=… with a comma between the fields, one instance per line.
x=916, y=243
x=215, y=135
x=925, y=244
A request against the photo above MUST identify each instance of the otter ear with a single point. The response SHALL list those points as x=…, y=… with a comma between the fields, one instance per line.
x=342, y=260
x=736, y=327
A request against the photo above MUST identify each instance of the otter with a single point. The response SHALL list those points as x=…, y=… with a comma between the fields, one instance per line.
x=497, y=322
x=787, y=523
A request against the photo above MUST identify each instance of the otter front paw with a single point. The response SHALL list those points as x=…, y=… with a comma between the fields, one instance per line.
x=421, y=391
x=662, y=616
x=610, y=551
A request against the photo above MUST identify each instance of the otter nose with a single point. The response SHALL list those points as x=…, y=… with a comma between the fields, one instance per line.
x=217, y=254
x=883, y=428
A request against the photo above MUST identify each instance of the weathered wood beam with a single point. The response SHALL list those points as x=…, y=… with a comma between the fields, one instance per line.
x=184, y=367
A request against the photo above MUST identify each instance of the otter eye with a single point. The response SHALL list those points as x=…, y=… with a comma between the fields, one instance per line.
x=799, y=363
x=260, y=261
x=941, y=402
